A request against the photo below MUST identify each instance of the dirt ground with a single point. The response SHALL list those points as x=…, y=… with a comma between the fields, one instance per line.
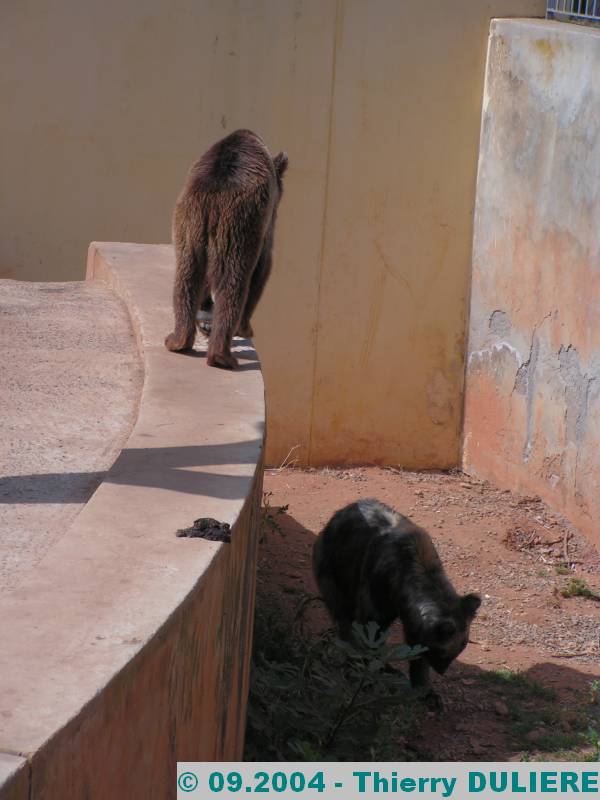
x=525, y=687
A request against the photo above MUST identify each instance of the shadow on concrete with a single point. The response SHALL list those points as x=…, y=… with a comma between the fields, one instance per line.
x=179, y=469
x=241, y=348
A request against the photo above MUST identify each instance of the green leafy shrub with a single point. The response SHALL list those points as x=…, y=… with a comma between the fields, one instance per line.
x=325, y=699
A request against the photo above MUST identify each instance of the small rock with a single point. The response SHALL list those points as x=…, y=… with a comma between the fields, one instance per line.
x=526, y=501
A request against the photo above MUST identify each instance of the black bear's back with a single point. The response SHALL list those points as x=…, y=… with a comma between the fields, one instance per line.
x=367, y=542
x=341, y=549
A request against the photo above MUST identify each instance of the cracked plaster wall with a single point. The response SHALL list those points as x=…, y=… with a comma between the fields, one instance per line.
x=532, y=404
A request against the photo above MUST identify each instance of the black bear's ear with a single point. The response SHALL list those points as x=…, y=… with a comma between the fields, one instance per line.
x=469, y=604
x=281, y=162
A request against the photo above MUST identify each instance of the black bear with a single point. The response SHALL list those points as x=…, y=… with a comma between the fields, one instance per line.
x=373, y=564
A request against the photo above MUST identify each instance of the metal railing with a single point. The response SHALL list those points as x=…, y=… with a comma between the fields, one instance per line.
x=574, y=10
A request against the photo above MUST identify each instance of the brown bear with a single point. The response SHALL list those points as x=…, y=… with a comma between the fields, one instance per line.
x=223, y=228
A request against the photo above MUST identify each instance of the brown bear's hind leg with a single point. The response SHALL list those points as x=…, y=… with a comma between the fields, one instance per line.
x=189, y=277
x=231, y=264
x=229, y=301
x=257, y=284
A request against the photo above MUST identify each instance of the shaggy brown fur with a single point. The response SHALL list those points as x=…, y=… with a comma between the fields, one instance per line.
x=223, y=229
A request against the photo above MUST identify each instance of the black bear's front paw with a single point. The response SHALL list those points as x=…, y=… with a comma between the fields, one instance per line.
x=432, y=700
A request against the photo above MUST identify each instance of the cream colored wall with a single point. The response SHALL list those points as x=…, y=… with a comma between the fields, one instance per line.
x=394, y=283
x=377, y=103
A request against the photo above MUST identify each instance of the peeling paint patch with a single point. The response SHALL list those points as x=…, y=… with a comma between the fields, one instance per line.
x=525, y=384
x=499, y=323
x=579, y=390
x=525, y=377
x=497, y=347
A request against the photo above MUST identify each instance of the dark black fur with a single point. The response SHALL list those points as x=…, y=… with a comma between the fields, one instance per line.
x=207, y=528
x=373, y=564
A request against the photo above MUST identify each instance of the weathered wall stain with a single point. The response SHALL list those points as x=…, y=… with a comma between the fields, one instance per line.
x=532, y=410
x=579, y=391
x=374, y=315
x=525, y=384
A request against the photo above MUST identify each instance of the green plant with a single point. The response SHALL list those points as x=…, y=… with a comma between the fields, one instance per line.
x=594, y=692
x=541, y=572
x=541, y=726
x=594, y=740
x=325, y=699
x=269, y=513
x=518, y=685
x=577, y=587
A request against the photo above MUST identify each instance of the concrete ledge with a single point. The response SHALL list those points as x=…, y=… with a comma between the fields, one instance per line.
x=70, y=390
x=127, y=648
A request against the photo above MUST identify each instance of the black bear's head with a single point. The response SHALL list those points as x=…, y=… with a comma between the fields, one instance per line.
x=446, y=636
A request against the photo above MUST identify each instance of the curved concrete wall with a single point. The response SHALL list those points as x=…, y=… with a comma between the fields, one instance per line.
x=362, y=327
x=127, y=648
x=532, y=420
